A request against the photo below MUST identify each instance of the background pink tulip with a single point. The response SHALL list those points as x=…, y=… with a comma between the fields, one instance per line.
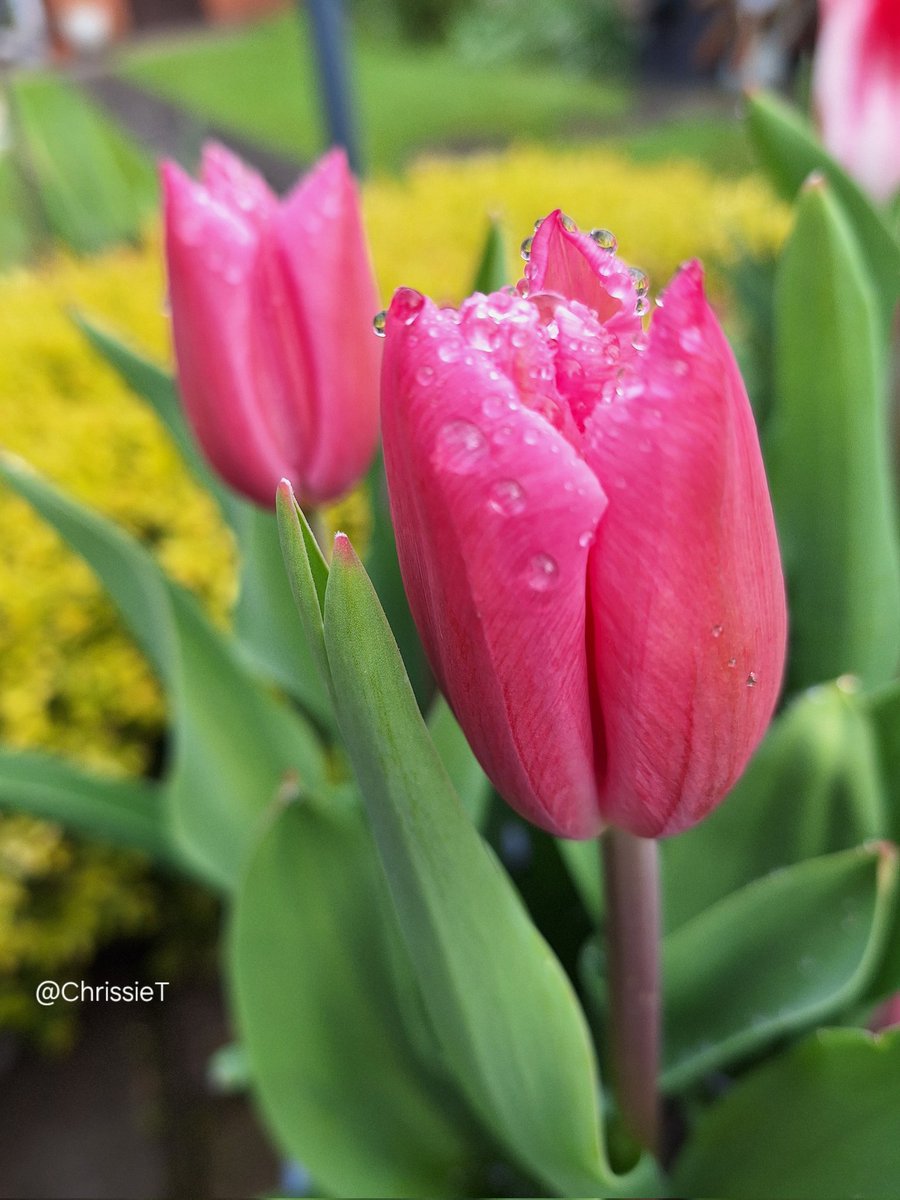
x=856, y=89
x=586, y=537
x=272, y=308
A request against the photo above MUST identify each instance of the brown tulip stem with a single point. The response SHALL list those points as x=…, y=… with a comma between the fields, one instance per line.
x=631, y=887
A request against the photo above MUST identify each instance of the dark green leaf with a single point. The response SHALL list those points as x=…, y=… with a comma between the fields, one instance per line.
x=492, y=273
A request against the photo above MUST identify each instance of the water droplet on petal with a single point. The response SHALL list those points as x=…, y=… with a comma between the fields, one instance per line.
x=605, y=239
x=751, y=679
x=448, y=352
x=507, y=496
x=717, y=630
x=567, y=223
x=424, y=375
x=525, y=248
x=640, y=280
x=493, y=406
x=732, y=662
x=586, y=538
x=407, y=304
x=642, y=307
x=530, y=437
x=460, y=446
x=543, y=573
x=379, y=321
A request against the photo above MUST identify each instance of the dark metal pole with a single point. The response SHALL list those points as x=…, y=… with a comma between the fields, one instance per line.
x=330, y=43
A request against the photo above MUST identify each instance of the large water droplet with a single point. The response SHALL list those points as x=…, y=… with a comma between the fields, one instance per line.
x=586, y=538
x=379, y=322
x=507, y=496
x=605, y=239
x=717, y=630
x=460, y=446
x=567, y=223
x=448, y=352
x=407, y=304
x=525, y=248
x=424, y=375
x=542, y=573
x=751, y=679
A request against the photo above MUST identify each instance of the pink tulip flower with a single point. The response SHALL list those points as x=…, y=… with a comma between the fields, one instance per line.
x=271, y=316
x=586, y=537
x=856, y=89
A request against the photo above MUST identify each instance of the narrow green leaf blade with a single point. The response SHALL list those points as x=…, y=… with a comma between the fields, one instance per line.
x=315, y=976
x=492, y=273
x=127, y=812
x=827, y=453
x=501, y=1005
x=790, y=151
x=782, y=954
x=820, y=1120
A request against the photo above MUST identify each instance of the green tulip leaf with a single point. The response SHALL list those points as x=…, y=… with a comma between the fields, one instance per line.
x=501, y=1005
x=883, y=708
x=469, y=781
x=812, y=788
x=819, y=1120
x=778, y=956
x=264, y=619
x=321, y=988
x=125, y=812
x=233, y=743
x=492, y=273
x=791, y=152
x=827, y=454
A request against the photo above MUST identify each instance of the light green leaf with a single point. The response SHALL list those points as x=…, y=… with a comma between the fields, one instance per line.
x=820, y=1120
x=307, y=574
x=827, y=454
x=469, y=781
x=812, y=788
x=778, y=956
x=500, y=1003
x=127, y=812
x=233, y=743
x=319, y=982
x=791, y=152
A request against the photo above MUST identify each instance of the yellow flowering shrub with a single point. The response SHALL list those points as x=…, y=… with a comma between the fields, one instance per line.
x=71, y=679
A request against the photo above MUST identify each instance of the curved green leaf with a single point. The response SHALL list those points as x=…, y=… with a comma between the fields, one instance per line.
x=493, y=270
x=827, y=454
x=233, y=743
x=812, y=788
x=321, y=987
x=501, y=1005
x=775, y=957
x=820, y=1120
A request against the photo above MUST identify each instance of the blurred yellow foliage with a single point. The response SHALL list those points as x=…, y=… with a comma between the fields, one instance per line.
x=71, y=680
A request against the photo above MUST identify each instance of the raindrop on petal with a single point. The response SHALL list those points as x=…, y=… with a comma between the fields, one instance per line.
x=543, y=573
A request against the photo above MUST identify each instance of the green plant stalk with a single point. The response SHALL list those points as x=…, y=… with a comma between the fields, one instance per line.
x=631, y=885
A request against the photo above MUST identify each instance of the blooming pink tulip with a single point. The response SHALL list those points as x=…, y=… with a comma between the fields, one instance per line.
x=271, y=314
x=856, y=89
x=586, y=537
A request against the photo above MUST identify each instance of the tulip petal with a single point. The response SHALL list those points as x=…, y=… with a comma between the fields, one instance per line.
x=211, y=255
x=497, y=512
x=685, y=579
x=571, y=264
x=230, y=181
x=322, y=246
